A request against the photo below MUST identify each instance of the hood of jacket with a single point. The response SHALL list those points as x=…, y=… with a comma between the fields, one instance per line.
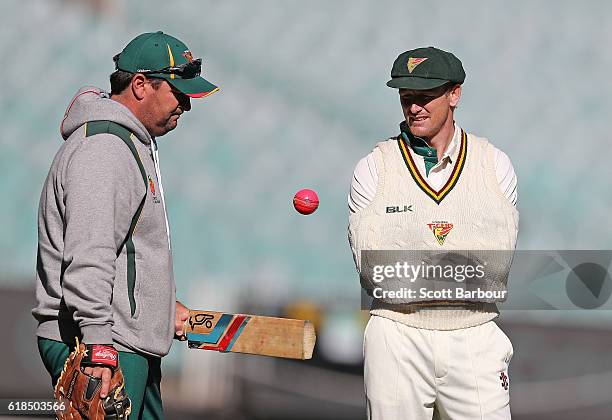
x=93, y=104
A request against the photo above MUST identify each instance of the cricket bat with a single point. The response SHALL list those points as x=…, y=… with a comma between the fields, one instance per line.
x=252, y=334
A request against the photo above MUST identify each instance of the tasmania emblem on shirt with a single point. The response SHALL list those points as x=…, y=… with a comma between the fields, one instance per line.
x=440, y=230
x=152, y=188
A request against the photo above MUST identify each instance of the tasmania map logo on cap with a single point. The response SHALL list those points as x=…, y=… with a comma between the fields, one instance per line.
x=188, y=56
x=413, y=62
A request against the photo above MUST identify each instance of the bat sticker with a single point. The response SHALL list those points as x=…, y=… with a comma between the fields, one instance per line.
x=201, y=319
x=223, y=336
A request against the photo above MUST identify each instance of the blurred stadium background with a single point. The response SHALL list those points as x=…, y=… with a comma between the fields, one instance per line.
x=302, y=99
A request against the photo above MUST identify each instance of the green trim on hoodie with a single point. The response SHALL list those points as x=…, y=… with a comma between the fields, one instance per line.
x=102, y=127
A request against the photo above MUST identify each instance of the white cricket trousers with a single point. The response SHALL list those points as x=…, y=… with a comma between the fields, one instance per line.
x=417, y=374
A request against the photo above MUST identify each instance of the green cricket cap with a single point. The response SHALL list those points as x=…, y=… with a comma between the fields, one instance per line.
x=159, y=51
x=425, y=68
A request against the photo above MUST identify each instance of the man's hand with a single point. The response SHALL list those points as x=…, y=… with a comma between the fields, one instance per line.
x=101, y=372
x=91, y=385
x=99, y=362
x=181, y=314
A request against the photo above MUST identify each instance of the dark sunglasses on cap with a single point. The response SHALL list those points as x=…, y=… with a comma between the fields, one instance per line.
x=187, y=70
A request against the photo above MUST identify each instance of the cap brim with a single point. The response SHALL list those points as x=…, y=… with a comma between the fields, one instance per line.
x=415, y=83
x=198, y=87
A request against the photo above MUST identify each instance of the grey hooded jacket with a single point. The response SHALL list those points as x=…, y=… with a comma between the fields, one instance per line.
x=91, y=194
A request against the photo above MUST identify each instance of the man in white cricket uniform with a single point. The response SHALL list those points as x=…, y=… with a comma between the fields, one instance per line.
x=434, y=187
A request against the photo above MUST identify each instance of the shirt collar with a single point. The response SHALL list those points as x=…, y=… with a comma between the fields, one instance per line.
x=422, y=148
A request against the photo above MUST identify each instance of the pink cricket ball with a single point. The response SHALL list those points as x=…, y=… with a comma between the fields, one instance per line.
x=306, y=201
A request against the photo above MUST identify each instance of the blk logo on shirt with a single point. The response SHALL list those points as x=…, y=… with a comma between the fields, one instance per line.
x=399, y=209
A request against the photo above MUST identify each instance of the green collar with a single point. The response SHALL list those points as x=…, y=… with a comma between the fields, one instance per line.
x=420, y=147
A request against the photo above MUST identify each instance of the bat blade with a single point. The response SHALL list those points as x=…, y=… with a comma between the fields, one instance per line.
x=251, y=334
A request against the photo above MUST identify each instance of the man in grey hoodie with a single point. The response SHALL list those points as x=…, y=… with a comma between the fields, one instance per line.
x=104, y=266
